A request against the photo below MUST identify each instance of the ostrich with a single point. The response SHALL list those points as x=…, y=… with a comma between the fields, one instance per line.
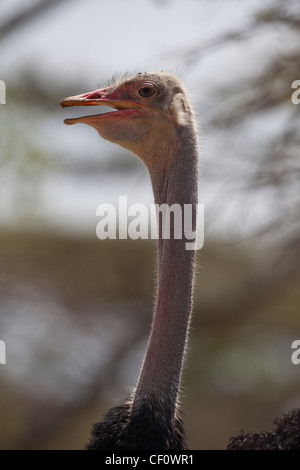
x=154, y=120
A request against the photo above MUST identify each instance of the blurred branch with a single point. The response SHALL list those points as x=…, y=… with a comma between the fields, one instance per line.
x=269, y=89
x=192, y=54
x=267, y=283
x=27, y=15
x=285, y=12
x=273, y=155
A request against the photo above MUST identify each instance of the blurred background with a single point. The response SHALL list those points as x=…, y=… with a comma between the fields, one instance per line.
x=75, y=311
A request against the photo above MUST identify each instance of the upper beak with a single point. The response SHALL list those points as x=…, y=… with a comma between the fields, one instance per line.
x=97, y=98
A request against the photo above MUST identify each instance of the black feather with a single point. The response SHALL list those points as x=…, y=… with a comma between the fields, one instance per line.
x=148, y=428
x=286, y=436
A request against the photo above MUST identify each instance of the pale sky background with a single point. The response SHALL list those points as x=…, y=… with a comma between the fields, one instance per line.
x=98, y=38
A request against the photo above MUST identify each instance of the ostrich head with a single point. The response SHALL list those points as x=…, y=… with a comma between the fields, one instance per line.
x=150, y=109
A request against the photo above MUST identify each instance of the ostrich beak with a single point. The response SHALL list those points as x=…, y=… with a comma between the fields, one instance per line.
x=103, y=97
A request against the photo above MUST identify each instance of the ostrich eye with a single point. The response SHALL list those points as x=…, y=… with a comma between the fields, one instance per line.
x=146, y=92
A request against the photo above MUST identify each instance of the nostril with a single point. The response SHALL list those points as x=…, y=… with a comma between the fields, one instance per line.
x=95, y=95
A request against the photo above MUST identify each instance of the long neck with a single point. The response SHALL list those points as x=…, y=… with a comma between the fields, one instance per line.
x=175, y=184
